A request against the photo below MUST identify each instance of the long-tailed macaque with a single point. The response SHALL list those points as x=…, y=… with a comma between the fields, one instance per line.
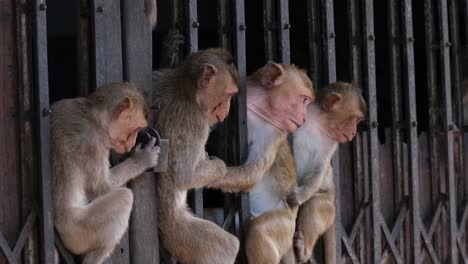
x=192, y=97
x=270, y=234
x=91, y=206
x=332, y=119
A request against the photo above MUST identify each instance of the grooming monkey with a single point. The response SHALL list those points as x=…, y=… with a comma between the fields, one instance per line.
x=194, y=96
x=332, y=119
x=270, y=234
x=91, y=208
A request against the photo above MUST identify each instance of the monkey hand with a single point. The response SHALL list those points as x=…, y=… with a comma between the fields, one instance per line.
x=148, y=155
x=293, y=198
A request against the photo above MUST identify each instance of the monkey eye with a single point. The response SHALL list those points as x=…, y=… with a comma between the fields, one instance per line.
x=305, y=100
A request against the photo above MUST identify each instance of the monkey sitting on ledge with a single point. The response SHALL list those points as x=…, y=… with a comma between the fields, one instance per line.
x=91, y=206
x=332, y=119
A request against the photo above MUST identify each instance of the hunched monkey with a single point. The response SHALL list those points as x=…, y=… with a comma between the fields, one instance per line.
x=332, y=119
x=192, y=97
x=270, y=234
x=91, y=208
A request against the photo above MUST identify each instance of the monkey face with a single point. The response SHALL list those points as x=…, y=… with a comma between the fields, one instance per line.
x=124, y=129
x=216, y=97
x=343, y=118
x=288, y=102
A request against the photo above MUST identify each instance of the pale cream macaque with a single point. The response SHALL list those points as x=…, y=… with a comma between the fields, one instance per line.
x=331, y=120
x=277, y=100
x=91, y=204
x=192, y=97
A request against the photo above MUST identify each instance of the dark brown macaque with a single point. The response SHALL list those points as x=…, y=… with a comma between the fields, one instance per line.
x=277, y=98
x=91, y=204
x=192, y=97
x=332, y=119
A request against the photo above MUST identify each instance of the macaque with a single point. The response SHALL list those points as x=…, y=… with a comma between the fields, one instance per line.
x=332, y=119
x=91, y=205
x=277, y=99
x=192, y=97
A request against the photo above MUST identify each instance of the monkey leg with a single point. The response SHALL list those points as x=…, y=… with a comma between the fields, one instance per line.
x=270, y=237
x=314, y=218
x=95, y=229
x=197, y=241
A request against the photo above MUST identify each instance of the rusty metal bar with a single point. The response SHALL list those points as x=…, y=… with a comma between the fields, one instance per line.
x=41, y=82
x=395, y=87
x=269, y=29
x=137, y=58
x=107, y=45
x=223, y=23
x=241, y=106
x=283, y=32
x=373, y=145
x=328, y=41
x=411, y=125
x=361, y=182
x=333, y=236
x=448, y=126
x=313, y=31
x=456, y=88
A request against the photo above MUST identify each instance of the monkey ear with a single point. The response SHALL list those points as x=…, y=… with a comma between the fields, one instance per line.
x=273, y=75
x=330, y=102
x=124, y=104
x=209, y=71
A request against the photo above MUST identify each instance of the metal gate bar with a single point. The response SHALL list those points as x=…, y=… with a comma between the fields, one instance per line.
x=448, y=126
x=395, y=38
x=313, y=31
x=373, y=141
x=361, y=181
x=137, y=58
x=41, y=82
x=432, y=115
x=283, y=32
x=411, y=125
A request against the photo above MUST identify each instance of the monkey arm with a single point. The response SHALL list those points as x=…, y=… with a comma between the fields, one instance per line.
x=203, y=173
x=311, y=183
x=241, y=178
x=125, y=171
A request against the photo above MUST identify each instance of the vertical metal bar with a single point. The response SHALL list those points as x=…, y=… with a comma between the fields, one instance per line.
x=269, y=28
x=313, y=31
x=329, y=41
x=411, y=125
x=107, y=48
x=333, y=236
x=433, y=98
x=193, y=25
x=284, y=43
x=223, y=23
x=395, y=86
x=456, y=88
x=43, y=138
x=241, y=103
x=360, y=185
x=373, y=147
x=455, y=58
x=137, y=58
x=448, y=126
